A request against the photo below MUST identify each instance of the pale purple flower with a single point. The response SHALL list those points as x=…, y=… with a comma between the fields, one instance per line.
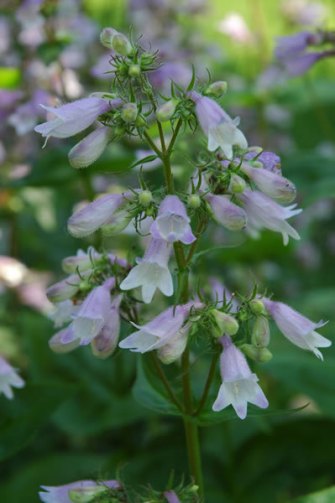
x=297, y=328
x=90, y=148
x=61, y=494
x=265, y=213
x=172, y=222
x=226, y=213
x=162, y=330
x=151, y=272
x=272, y=184
x=64, y=289
x=175, y=347
x=82, y=261
x=290, y=45
x=171, y=497
x=64, y=341
x=103, y=211
x=93, y=313
x=72, y=118
x=9, y=378
x=269, y=160
x=62, y=313
x=218, y=126
x=301, y=63
x=239, y=385
x=106, y=341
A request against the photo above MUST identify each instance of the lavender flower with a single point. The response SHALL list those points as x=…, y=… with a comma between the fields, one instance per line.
x=88, y=488
x=272, y=184
x=269, y=160
x=239, y=385
x=104, y=210
x=9, y=378
x=263, y=212
x=172, y=223
x=297, y=328
x=221, y=129
x=159, y=332
x=106, y=341
x=226, y=213
x=74, y=117
x=64, y=289
x=90, y=148
x=152, y=271
x=171, y=497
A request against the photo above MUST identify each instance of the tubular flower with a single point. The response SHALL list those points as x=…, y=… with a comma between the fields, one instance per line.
x=172, y=223
x=218, y=126
x=90, y=148
x=101, y=212
x=106, y=341
x=226, y=213
x=9, y=378
x=72, y=118
x=265, y=213
x=297, y=328
x=151, y=272
x=87, y=488
x=272, y=184
x=239, y=385
x=162, y=330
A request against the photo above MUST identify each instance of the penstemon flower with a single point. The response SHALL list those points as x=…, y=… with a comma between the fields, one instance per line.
x=83, y=490
x=90, y=148
x=75, y=117
x=226, y=213
x=222, y=131
x=151, y=272
x=239, y=385
x=9, y=379
x=264, y=213
x=297, y=328
x=172, y=223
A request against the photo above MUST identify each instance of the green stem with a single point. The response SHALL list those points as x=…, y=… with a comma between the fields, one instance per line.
x=165, y=382
x=211, y=374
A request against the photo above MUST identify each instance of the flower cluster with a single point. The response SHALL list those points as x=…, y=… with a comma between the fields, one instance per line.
x=239, y=187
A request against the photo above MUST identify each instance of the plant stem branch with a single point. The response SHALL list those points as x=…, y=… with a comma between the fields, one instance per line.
x=209, y=380
x=165, y=382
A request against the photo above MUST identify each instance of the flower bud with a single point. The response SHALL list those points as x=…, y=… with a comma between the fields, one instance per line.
x=134, y=71
x=166, y=111
x=217, y=89
x=257, y=307
x=140, y=121
x=90, y=148
x=260, y=336
x=106, y=37
x=225, y=323
x=121, y=44
x=237, y=184
x=87, y=494
x=129, y=112
x=64, y=289
x=193, y=201
x=145, y=198
x=261, y=355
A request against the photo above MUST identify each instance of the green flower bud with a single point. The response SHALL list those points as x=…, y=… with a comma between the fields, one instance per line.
x=217, y=89
x=145, y=198
x=134, y=71
x=261, y=355
x=260, y=335
x=166, y=111
x=129, y=112
x=257, y=307
x=121, y=44
x=193, y=201
x=237, y=184
x=140, y=121
x=225, y=323
x=106, y=37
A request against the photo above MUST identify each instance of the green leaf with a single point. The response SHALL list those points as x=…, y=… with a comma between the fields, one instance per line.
x=325, y=496
x=148, y=389
x=27, y=413
x=149, y=158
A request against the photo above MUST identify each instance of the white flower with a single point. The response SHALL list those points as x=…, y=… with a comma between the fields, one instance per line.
x=152, y=272
x=239, y=385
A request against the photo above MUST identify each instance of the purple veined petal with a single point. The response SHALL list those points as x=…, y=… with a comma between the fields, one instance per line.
x=104, y=344
x=64, y=341
x=171, y=497
x=226, y=213
x=64, y=289
x=172, y=222
x=90, y=148
x=272, y=184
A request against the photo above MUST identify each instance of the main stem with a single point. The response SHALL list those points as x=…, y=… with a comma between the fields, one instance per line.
x=191, y=428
